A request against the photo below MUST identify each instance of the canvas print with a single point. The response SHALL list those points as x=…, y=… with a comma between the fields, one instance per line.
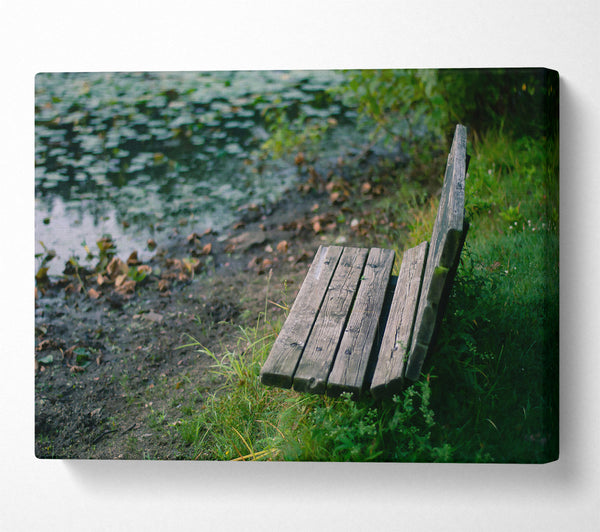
x=297, y=265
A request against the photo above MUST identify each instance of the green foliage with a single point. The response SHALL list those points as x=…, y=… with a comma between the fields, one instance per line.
x=497, y=355
x=404, y=104
x=513, y=181
x=425, y=104
x=396, y=430
x=522, y=100
x=248, y=421
x=290, y=131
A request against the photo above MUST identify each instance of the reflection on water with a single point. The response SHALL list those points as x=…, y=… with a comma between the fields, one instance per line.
x=136, y=154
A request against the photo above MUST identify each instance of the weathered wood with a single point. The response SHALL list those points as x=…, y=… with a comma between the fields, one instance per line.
x=388, y=376
x=354, y=352
x=318, y=356
x=279, y=367
x=444, y=250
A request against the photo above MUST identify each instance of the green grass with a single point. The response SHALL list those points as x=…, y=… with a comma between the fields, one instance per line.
x=489, y=391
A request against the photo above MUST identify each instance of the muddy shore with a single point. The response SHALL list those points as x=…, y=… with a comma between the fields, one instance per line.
x=112, y=380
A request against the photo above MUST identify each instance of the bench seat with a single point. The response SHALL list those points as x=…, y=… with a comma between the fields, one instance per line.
x=354, y=327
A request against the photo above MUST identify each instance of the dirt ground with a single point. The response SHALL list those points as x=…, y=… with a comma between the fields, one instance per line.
x=112, y=380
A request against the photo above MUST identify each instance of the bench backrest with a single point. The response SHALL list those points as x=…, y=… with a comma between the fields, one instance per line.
x=447, y=239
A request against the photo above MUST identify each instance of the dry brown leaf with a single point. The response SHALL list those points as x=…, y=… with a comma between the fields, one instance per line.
x=116, y=266
x=365, y=188
x=44, y=344
x=94, y=294
x=77, y=369
x=282, y=247
x=163, y=285
x=207, y=249
x=120, y=279
x=133, y=259
x=126, y=287
x=70, y=288
x=316, y=227
x=144, y=268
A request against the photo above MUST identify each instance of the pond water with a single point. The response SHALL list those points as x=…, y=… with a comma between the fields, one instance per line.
x=135, y=155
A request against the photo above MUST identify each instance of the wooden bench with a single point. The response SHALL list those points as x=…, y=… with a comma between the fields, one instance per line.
x=356, y=328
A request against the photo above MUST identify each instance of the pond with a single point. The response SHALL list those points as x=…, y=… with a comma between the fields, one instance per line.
x=135, y=155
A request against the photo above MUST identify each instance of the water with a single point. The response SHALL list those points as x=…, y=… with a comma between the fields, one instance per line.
x=135, y=155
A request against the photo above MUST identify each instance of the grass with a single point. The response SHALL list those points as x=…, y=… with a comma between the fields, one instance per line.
x=489, y=392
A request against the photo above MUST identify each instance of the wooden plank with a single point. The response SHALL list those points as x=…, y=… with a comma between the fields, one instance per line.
x=279, y=367
x=354, y=352
x=444, y=251
x=388, y=375
x=318, y=356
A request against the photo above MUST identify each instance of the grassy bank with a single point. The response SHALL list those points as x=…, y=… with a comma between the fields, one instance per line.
x=490, y=389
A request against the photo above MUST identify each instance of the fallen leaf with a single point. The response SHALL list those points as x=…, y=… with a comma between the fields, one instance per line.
x=191, y=264
x=70, y=288
x=44, y=344
x=48, y=359
x=144, y=268
x=77, y=369
x=120, y=279
x=365, y=188
x=163, y=285
x=207, y=249
x=100, y=279
x=126, y=287
x=317, y=227
x=334, y=197
x=94, y=294
x=268, y=248
x=116, y=266
x=133, y=259
x=282, y=247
